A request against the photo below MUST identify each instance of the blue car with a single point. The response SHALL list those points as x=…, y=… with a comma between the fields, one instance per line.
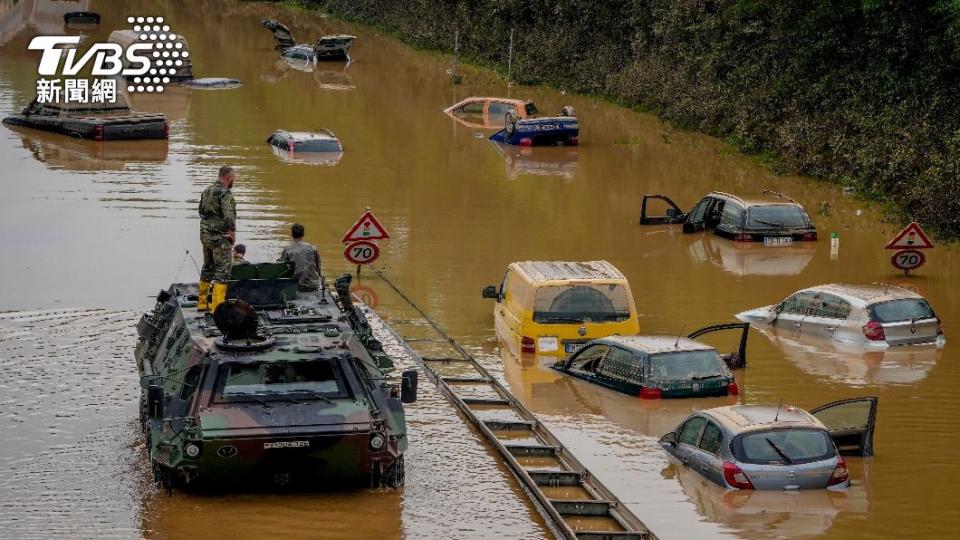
x=560, y=130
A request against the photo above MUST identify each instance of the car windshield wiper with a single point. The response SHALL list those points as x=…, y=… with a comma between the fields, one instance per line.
x=316, y=395
x=770, y=223
x=564, y=319
x=705, y=377
x=778, y=451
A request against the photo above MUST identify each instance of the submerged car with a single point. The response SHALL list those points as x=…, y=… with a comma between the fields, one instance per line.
x=775, y=446
x=489, y=112
x=332, y=47
x=299, y=142
x=869, y=315
x=654, y=367
x=275, y=387
x=771, y=217
x=560, y=130
x=92, y=121
x=555, y=307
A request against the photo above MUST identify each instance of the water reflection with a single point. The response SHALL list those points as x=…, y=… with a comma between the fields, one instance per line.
x=541, y=161
x=43, y=16
x=856, y=366
x=761, y=513
x=328, y=75
x=747, y=258
x=173, y=102
x=60, y=152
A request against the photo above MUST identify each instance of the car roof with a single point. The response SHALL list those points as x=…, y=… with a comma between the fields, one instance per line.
x=324, y=134
x=540, y=271
x=656, y=344
x=768, y=198
x=865, y=294
x=754, y=417
x=519, y=102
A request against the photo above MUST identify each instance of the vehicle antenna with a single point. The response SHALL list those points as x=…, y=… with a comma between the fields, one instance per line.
x=776, y=416
x=680, y=335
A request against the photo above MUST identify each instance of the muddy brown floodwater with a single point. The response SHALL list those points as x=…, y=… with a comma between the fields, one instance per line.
x=90, y=231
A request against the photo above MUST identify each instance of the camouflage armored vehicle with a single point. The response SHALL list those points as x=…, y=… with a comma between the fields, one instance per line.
x=276, y=387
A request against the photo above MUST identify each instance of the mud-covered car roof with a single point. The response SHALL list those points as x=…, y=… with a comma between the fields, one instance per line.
x=540, y=271
x=656, y=344
x=756, y=199
x=865, y=294
x=752, y=417
x=323, y=134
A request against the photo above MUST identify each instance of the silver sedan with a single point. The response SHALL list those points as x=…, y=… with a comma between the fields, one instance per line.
x=869, y=315
x=775, y=447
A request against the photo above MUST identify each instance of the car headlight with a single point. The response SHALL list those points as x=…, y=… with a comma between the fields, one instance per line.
x=192, y=450
x=377, y=441
x=548, y=344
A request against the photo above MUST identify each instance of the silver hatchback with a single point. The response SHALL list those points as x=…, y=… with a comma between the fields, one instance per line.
x=869, y=315
x=775, y=447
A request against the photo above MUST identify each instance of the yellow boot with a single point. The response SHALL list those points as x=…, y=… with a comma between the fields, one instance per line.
x=219, y=295
x=203, y=296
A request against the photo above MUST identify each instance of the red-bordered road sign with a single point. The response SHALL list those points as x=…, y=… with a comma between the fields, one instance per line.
x=366, y=295
x=911, y=237
x=361, y=252
x=368, y=227
x=908, y=259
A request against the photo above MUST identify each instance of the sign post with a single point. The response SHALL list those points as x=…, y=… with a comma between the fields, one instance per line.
x=908, y=244
x=361, y=247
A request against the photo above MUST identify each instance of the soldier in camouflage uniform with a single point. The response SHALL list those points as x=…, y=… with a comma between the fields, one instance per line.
x=305, y=259
x=218, y=225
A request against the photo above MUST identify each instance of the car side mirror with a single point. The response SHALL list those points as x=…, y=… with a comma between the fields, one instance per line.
x=673, y=212
x=155, y=397
x=669, y=438
x=490, y=291
x=408, y=386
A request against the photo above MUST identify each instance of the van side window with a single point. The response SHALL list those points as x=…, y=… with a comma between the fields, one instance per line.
x=690, y=432
x=621, y=365
x=712, y=437
x=504, y=284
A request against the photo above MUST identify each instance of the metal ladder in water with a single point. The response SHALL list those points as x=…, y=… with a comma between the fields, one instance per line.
x=573, y=501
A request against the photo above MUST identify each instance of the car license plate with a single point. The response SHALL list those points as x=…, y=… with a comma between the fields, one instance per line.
x=572, y=347
x=777, y=240
x=548, y=127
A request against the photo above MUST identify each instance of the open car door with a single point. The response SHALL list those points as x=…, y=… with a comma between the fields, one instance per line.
x=673, y=215
x=738, y=358
x=850, y=423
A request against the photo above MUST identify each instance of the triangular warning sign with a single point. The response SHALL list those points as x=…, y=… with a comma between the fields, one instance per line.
x=911, y=237
x=366, y=228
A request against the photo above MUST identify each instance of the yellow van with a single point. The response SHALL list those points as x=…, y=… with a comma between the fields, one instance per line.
x=553, y=307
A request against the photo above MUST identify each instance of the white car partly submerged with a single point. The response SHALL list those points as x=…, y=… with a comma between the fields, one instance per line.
x=876, y=315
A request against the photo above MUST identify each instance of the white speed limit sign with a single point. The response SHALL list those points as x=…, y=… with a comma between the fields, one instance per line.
x=361, y=252
x=908, y=259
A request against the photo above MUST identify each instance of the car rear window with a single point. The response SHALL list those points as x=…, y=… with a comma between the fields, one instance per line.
x=777, y=215
x=581, y=303
x=685, y=366
x=901, y=310
x=316, y=145
x=784, y=446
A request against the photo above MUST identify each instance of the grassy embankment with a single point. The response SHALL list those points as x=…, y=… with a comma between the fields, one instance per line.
x=863, y=93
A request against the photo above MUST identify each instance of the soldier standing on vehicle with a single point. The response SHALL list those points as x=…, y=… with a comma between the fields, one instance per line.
x=218, y=231
x=305, y=259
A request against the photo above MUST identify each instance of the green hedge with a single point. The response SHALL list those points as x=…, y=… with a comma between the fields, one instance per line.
x=864, y=92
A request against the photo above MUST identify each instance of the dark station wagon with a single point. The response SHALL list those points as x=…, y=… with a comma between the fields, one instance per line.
x=653, y=367
x=771, y=218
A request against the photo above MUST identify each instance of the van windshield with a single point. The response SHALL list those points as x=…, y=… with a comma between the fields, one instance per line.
x=581, y=303
x=264, y=378
x=685, y=366
x=778, y=216
x=902, y=310
x=784, y=446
